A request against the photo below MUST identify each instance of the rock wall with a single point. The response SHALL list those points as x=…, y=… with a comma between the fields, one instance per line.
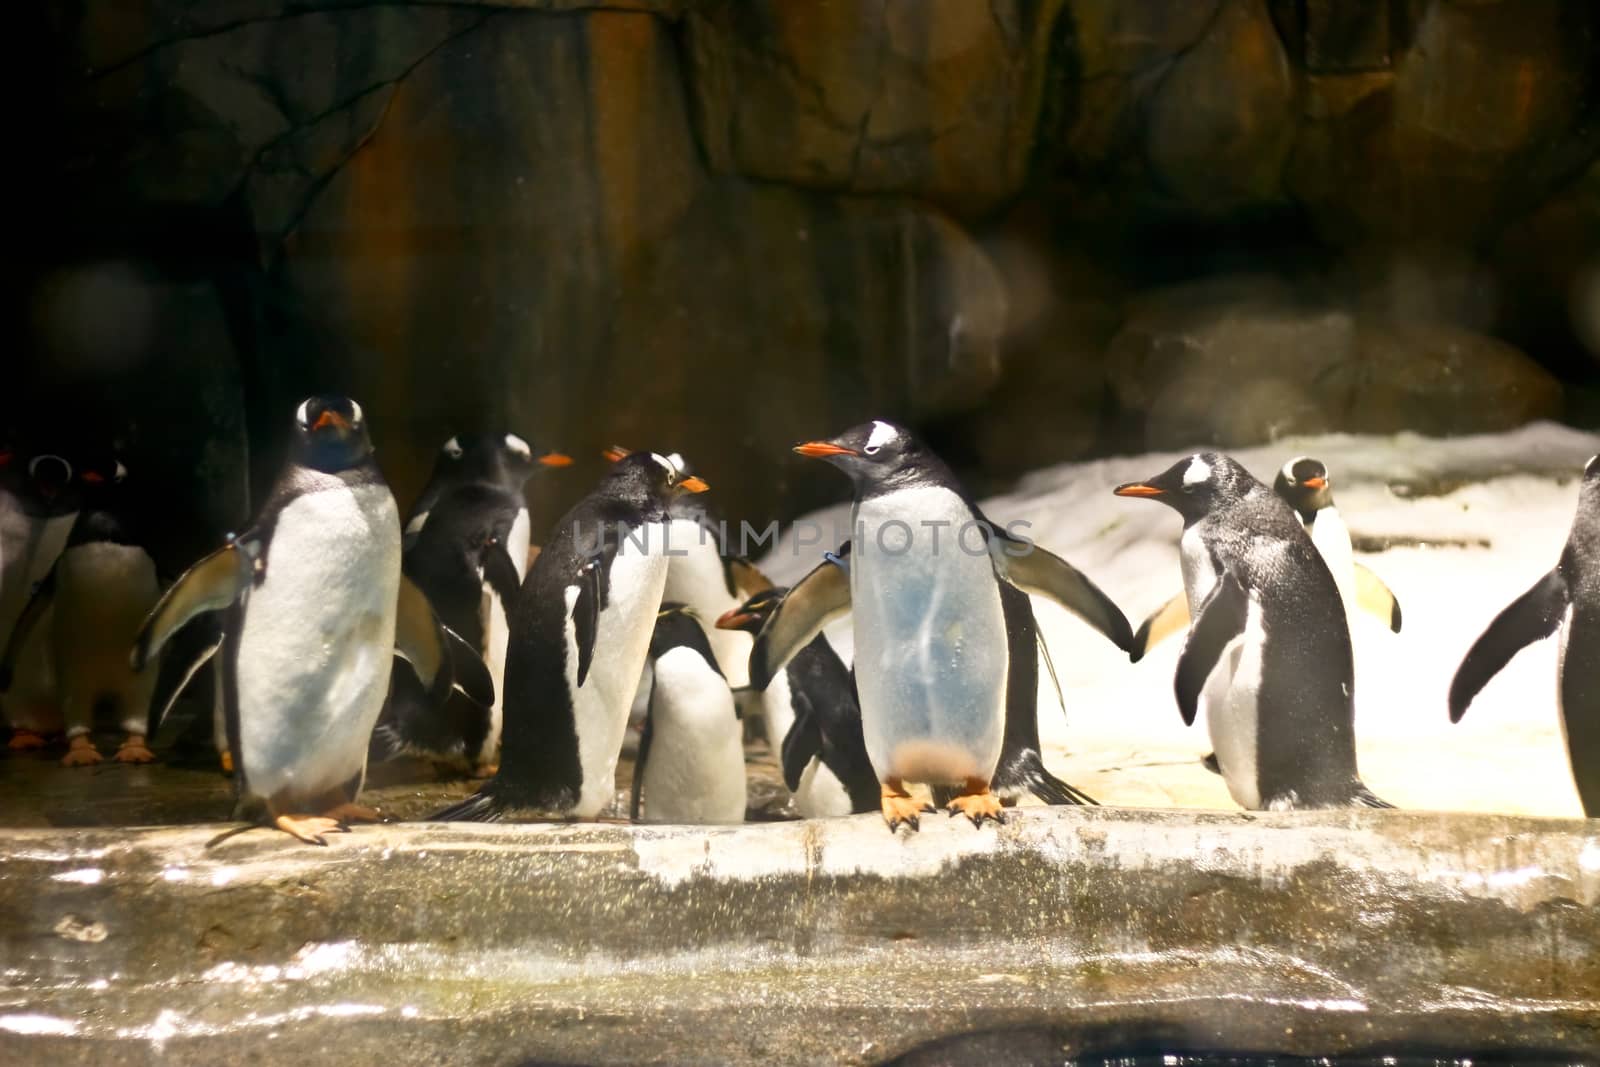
x=724, y=225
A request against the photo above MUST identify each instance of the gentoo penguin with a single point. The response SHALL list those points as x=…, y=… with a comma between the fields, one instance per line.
x=580, y=631
x=38, y=508
x=1305, y=485
x=100, y=590
x=316, y=609
x=1270, y=647
x=691, y=758
x=466, y=546
x=1566, y=599
x=931, y=645
x=813, y=720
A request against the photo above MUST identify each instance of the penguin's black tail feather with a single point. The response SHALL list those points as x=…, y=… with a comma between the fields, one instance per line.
x=1365, y=798
x=482, y=806
x=1047, y=787
x=386, y=744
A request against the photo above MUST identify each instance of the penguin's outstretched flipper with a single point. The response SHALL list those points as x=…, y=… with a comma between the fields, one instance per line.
x=1221, y=619
x=38, y=605
x=803, y=743
x=441, y=659
x=1034, y=570
x=210, y=585
x=191, y=650
x=1170, y=618
x=814, y=601
x=1377, y=599
x=1532, y=616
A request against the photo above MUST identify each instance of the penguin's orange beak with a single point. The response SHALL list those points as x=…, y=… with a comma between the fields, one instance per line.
x=736, y=619
x=693, y=484
x=330, y=417
x=823, y=449
x=556, y=459
x=1314, y=483
x=1138, y=489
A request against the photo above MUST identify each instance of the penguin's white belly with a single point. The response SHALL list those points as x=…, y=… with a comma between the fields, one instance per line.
x=317, y=643
x=1332, y=540
x=600, y=708
x=697, y=578
x=29, y=547
x=31, y=702
x=777, y=711
x=103, y=592
x=695, y=769
x=930, y=639
x=821, y=795
x=1199, y=574
x=1233, y=709
x=497, y=631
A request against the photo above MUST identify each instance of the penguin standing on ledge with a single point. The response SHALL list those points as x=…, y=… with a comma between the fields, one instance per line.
x=1270, y=646
x=932, y=648
x=691, y=757
x=580, y=632
x=315, y=611
x=38, y=507
x=1566, y=599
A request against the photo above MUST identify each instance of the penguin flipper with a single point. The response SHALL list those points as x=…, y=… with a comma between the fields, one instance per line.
x=1168, y=619
x=175, y=676
x=803, y=742
x=210, y=585
x=1050, y=669
x=1375, y=598
x=1532, y=616
x=1222, y=618
x=437, y=653
x=810, y=604
x=38, y=603
x=646, y=736
x=500, y=572
x=1034, y=570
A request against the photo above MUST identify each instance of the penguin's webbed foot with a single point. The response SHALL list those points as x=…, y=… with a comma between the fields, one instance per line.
x=134, y=750
x=225, y=759
x=977, y=803
x=345, y=813
x=900, y=807
x=309, y=828
x=81, y=753
x=25, y=741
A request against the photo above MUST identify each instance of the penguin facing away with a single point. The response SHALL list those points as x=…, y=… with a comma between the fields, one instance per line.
x=932, y=652
x=813, y=718
x=1305, y=485
x=99, y=591
x=1567, y=599
x=580, y=633
x=315, y=609
x=466, y=546
x=1269, y=652
x=39, y=497
x=691, y=758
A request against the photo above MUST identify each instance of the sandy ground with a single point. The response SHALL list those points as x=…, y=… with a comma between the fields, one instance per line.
x=1474, y=521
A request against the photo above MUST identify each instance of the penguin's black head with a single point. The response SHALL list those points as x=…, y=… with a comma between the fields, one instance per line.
x=677, y=626
x=879, y=456
x=652, y=480
x=1196, y=485
x=501, y=458
x=330, y=433
x=752, y=615
x=1591, y=470
x=686, y=504
x=50, y=477
x=1304, y=485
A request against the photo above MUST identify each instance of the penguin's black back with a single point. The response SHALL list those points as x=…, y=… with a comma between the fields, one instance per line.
x=818, y=676
x=448, y=555
x=1580, y=681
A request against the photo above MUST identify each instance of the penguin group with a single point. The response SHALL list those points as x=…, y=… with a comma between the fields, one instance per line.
x=525, y=662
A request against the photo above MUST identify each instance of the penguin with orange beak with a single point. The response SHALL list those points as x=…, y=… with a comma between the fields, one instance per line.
x=932, y=647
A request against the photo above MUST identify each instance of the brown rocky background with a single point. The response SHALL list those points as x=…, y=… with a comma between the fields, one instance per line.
x=1038, y=229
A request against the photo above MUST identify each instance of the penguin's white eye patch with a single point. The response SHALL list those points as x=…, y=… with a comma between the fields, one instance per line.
x=1198, y=472
x=882, y=433
x=122, y=472
x=452, y=448
x=518, y=447
x=355, y=413
x=302, y=414
x=668, y=465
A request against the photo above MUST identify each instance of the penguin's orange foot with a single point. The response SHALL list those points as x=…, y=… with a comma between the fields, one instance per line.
x=343, y=813
x=81, y=753
x=134, y=750
x=309, y=828
x=226, y=759
x=899, y=806
x=25, y=741
x=977, y=803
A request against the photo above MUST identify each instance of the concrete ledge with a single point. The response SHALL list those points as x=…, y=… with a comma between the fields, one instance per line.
x=828, y=941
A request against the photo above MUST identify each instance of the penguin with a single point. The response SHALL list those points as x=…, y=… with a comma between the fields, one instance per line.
x=315, y=608
x=1270, y=647
x=931, y=645
x=99, y=592
x=580, y=634
x=690, y=767
x=466, y=546
x=813, y=720
x=1305, y=485
x=1566, y=599
x=38, y=509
